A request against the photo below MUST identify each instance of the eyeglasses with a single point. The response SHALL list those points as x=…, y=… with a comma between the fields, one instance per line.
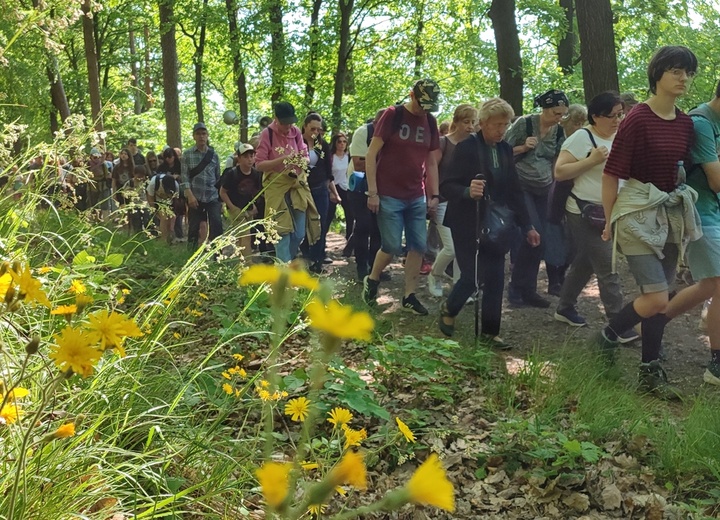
x=619, y=115
x=342, y=141
x=678, y=73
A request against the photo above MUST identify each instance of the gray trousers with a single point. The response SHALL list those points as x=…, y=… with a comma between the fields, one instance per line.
x=590, y=255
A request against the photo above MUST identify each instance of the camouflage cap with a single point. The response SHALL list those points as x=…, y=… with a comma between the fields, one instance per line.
x=426, y=93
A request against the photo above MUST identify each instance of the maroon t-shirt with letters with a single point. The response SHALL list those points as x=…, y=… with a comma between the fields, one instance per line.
x=401, y=161
x=648, y=147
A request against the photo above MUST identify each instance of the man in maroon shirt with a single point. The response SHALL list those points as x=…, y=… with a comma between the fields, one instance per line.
x=402, y=178
x=649, y=144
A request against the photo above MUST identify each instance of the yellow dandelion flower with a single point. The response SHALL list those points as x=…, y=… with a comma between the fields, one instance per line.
x=125, y=291
x=29, y=288
x=284, y=394
x=176, y=335
x=64, y=310
x=66, y=430
x=121, y=300
x=264, y=394
x=73, y=351
x=339, y=320
x=77, y=287
x=83, y=300
x=227, y=388
x=409, y=436
x=238, y=393
x=203, y=296
x=274, y=481
x=301, y=278
x=196, y=313
x=316, y=509
x=242, y=373
x=429, y=485
x=339, y=417
x=309, y=466
x=5, y=282
x=340, y=491
x=264, y=273
x=10, y=413
x=353, y=437
x=17, y=393
x=298, y=409
x=238, y=357
x=226, y=375
x=173, y=294
x=110, y=329
x=265, y=384
x=44, y=269
x=350, y=470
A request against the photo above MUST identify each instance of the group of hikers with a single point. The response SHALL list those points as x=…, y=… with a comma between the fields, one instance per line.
x=570, y=186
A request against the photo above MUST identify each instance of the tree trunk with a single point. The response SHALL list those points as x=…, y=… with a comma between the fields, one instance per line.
x=277, y=50
x=566, y=46
x=198, y=63
x=314, y=33
x=92, y=67
x=170, y=72
x=135, y=71
x=238, y=70
x=597, y=47
x=419, y=49
x=507, y=46
x=57, y=94
x=344, y=55
x=148, y=102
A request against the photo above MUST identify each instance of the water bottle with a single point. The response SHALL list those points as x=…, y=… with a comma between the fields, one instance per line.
x=681, y=177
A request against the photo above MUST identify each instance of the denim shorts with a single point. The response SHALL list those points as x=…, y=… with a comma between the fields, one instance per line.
x=396, y=215
x=653, y=274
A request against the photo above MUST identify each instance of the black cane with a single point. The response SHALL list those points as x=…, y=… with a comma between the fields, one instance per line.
x=478, y=232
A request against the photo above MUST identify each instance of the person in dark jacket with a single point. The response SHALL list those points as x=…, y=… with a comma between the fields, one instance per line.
x=488, y=154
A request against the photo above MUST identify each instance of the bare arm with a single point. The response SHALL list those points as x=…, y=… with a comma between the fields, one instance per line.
x=568, y=167
x=609, y=196
x=225, y=198
x=358, y=164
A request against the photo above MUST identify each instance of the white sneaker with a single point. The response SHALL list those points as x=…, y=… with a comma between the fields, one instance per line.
x=435, y=286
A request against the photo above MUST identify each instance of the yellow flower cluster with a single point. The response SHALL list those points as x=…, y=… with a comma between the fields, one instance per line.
x=234, y=374
x=79, y=348
x=11, y=411
x=263, y=273
x=353, y=437
x=18, y=285
x=340, y=320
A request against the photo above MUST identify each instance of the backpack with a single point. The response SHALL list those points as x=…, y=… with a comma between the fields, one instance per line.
x=696, y=112
x=398, y=117
x=163, y=192
x=529, y=133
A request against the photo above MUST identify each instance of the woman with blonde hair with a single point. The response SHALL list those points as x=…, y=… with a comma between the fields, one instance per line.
x=462, y=125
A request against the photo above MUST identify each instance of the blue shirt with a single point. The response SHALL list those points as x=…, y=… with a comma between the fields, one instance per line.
x=705, y=150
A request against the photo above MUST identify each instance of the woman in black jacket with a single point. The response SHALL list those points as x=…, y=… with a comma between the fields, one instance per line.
x=483, y=153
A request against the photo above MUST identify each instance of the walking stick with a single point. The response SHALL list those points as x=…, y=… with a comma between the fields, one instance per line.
x=478, y=233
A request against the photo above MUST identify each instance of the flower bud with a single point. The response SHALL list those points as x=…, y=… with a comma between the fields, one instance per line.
x=16, y=266
x=10, y=295
x=32, y=347
x=4, y=268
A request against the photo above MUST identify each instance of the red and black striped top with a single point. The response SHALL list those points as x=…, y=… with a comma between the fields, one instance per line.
x=648, y=148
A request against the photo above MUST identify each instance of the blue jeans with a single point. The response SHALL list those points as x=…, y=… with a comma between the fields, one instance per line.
x=287, y=248
x=396, y=215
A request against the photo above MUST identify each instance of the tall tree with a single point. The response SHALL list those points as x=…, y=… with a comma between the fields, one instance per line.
x=277, y=50
x=135, y=70
x=148, y=102
x=597, y=46
x=170, y=72
x=199, y=41
x=92, y=66
x=344, y=55
x=238, y=69
x=419, y=48
x=57, y=94
x=507, y=46
x=566, y=46
x=314, y=33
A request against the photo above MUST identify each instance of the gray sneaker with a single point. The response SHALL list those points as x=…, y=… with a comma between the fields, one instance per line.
x=712, y=374
x=653, y=380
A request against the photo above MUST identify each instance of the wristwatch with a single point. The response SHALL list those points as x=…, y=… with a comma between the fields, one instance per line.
x=371, y=195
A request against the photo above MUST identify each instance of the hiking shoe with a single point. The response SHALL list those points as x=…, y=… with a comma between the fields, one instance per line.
x=628, y=336
x=412, y=304
x=349, y=249
x=515, y=298
x=494, y=342
x=445, y=328
x=554, y=289
x=712, y=374
x=653, y=380
x=571, y=317
x=435, y=286
x=606, y=348
x=533, y=299
x=370, y=290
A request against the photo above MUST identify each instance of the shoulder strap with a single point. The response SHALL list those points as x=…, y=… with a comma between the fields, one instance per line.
x=443, y=144
x=397, y=117
x=205, y=161
x=270, y=135
x=560, y=134
x=157, y=182
x=591, y=136
x=528, y=126
x=370, y=132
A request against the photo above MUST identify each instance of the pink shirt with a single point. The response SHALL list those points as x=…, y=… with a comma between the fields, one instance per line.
x=291, y=142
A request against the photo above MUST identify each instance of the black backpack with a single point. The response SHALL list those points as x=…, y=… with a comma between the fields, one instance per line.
x=560, y=191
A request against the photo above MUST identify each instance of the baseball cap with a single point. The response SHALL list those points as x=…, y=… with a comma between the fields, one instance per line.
x=199, y=126
x=285, y=113
x=427, y=93
x=242, y=148
x=95, y=153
